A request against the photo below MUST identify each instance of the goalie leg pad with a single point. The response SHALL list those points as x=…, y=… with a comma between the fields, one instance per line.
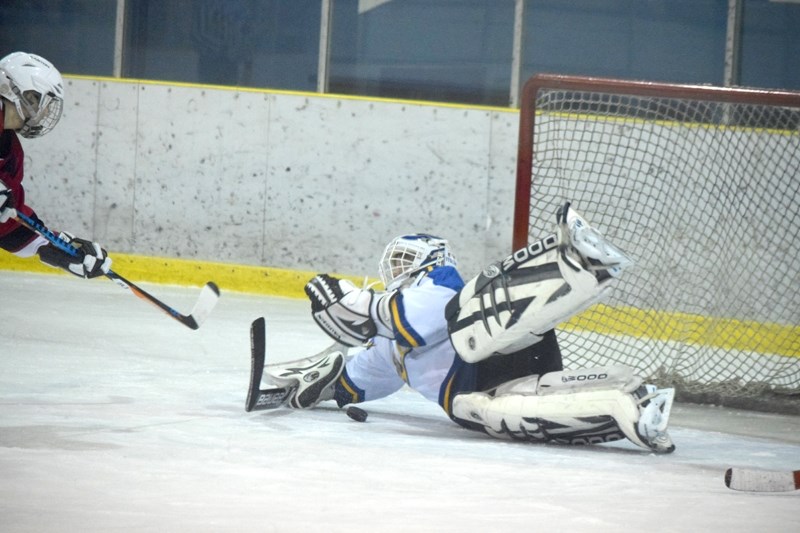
x=579, y=418
x=512, y=303
x=572, y=412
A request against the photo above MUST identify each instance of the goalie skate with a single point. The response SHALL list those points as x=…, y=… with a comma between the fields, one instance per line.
x=595, y=252
x=655, y=406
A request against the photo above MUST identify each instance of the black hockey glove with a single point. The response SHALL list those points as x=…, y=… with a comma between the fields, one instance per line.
x=341, y=309
x=90, y=260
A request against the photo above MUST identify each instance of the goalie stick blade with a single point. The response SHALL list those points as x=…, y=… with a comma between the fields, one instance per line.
x=747, y=480
x=263, y=399
x=259, y=399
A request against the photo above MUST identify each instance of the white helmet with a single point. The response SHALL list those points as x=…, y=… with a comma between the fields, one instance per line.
x=408, y=254
x=36, y=89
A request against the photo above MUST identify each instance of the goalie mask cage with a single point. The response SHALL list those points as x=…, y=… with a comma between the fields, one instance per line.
x=700, y=185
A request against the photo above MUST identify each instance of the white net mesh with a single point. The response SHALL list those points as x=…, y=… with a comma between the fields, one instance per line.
x=705, y=196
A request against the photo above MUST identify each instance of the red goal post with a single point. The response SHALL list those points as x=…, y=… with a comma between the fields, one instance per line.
x=701, y=185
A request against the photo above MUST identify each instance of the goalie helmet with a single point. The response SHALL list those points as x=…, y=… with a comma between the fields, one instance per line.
x=36, y=89
x=408, y=254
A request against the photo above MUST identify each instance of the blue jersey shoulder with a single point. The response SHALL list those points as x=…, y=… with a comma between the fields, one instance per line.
x=446, y=276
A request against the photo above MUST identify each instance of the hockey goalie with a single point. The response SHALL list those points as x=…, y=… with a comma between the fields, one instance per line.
x=485, y=350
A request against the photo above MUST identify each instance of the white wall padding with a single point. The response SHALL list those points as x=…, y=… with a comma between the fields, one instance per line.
x=298, y=181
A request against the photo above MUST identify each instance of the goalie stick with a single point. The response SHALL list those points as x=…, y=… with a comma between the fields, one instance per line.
x=283, y=390
x=259, y=399
x=748, y=480
x=205, y=303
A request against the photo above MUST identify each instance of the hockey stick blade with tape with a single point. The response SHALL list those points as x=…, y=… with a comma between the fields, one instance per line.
x=202, y=308
x=745, y=479
x=209, y=295
x=259, y=399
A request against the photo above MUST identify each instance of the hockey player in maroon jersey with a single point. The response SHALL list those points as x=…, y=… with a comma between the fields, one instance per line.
x=31, y=99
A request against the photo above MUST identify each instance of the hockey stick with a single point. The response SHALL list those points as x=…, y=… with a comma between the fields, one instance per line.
x=259, y=399
x=762, y=480
x=202, y=308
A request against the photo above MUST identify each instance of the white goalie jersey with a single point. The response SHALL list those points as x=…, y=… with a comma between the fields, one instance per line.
x=419, y=353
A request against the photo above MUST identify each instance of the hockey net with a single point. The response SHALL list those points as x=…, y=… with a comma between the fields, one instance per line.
x=701, y=186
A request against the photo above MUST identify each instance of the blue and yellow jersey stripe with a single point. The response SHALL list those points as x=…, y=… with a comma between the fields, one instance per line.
x=461, y=377
x=400, y=362
x=404, y=333
x=346, y=391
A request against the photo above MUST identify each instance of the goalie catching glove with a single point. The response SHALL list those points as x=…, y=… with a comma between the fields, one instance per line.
x=346, y=313
x=89, y=261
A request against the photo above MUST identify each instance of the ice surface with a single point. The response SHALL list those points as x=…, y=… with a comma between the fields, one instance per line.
x=115, y=418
